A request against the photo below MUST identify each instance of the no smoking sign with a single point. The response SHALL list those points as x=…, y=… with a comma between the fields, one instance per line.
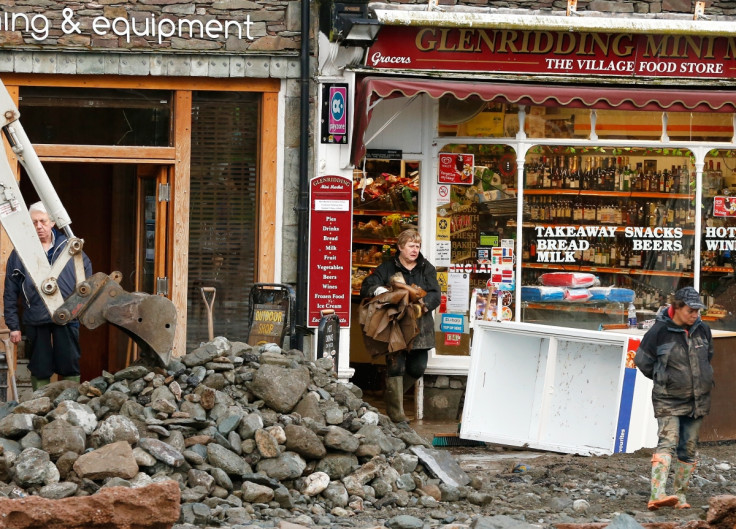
x=443, y=194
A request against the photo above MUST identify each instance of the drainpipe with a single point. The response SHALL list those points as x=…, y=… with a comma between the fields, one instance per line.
x=302, y=252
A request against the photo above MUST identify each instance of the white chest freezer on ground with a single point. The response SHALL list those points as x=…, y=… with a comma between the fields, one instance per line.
x=558, y=389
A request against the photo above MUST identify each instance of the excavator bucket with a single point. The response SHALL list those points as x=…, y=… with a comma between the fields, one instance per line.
x=148, y=319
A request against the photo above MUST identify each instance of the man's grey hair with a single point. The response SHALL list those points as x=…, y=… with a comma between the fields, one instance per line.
x=38, y=206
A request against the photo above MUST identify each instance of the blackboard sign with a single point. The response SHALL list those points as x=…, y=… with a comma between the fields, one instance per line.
x=328, y=338
x=268, y=325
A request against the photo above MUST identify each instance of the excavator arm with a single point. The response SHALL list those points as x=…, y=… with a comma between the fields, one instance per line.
x=149, y=320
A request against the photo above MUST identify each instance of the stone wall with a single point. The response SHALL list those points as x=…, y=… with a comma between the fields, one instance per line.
x=269, y=26
x=443, y=397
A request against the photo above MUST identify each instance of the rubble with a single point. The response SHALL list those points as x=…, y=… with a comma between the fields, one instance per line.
x=247, y=434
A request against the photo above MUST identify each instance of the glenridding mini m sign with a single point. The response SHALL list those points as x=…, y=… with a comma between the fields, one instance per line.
x=470, y=49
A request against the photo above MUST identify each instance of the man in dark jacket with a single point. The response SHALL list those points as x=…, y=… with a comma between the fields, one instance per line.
x=676, y=354
x=403, y=368
x=53, y=348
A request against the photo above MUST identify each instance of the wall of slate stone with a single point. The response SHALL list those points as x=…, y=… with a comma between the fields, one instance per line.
x=275, y=25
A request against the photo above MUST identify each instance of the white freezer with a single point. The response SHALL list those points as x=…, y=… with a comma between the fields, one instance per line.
x=556, y=388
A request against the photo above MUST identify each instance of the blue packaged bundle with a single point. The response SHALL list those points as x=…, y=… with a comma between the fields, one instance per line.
x=534, y=293
x=612, y=294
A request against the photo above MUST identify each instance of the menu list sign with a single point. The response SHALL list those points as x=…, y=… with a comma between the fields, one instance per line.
x=330, y=239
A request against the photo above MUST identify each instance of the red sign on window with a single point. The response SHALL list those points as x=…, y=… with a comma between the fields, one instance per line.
x=456, y=169
x=330, y=238
x=724, y=206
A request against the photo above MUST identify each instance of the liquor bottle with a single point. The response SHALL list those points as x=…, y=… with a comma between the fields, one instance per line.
x=685, y=178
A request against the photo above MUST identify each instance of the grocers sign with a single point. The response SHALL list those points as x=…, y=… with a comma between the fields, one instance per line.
x=553, y=52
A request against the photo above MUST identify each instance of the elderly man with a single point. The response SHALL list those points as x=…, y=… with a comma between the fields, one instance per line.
x=53, y=348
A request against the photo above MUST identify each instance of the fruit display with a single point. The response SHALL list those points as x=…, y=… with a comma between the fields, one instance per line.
x=385, y=227
x=386, y=191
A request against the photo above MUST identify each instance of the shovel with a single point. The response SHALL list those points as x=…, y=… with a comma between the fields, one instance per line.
x=208, y=303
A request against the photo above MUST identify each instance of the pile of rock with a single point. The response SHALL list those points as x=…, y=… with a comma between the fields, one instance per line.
x=248, y=433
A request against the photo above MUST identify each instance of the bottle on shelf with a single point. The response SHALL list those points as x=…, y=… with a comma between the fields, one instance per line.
x=632, y=316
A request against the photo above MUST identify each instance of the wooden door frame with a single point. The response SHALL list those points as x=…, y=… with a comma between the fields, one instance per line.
x=177, y=157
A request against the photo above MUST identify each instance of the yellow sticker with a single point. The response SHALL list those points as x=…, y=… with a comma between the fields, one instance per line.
x=442, y=280
x=443, y=228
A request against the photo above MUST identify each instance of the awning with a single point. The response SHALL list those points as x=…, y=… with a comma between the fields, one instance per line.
x=371, y=89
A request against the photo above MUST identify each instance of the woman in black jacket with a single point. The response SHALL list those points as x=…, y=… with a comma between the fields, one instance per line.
x=403, y=368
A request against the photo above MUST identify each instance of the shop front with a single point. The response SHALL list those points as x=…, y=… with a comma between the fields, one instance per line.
x=160, y=131
x=568, y=177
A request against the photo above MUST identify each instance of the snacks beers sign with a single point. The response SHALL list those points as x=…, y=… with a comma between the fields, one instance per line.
x=456, y=169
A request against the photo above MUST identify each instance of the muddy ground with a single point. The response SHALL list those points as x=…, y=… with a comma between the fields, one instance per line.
x=549, y=488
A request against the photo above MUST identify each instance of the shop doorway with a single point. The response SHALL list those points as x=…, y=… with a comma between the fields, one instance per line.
x=115, y=208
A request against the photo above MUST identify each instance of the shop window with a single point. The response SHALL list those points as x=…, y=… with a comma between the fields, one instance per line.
x=557, y=122
x=475, y=239
x=223, y=211
x=605, y=229
x=624, y=125
x=475, y=117
x=85, y=116
x=699, y=126
x=718, y=246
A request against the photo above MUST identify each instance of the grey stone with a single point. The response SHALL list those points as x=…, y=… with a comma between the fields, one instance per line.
x=227, y=460
x=255, y=493
x=31, y=440
x=131, y=373
x=221, y=478
x=143, y=458
x=304, y=442
x=372, y=434
x=337, y=466
x=40, y=406
x=201, y=355
x=341, y=439
x=404, y=521
x=30, y=467
x=450, y=493
x=194, y=410
x=288, y=465
x=229, y=423
x=116, y=428
x=500, y=521
x=280, y=388
x=624, y=521
x=78, y=415
x=57, y=491
x=308, y=406
x=345, y=396
x=17, y=425
x=479, y=498
x=336, y=493
x=249, y=424
x=200, y=478
x=59, y=437
x=442, y=465
x=405, y=463
x=162, y=451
